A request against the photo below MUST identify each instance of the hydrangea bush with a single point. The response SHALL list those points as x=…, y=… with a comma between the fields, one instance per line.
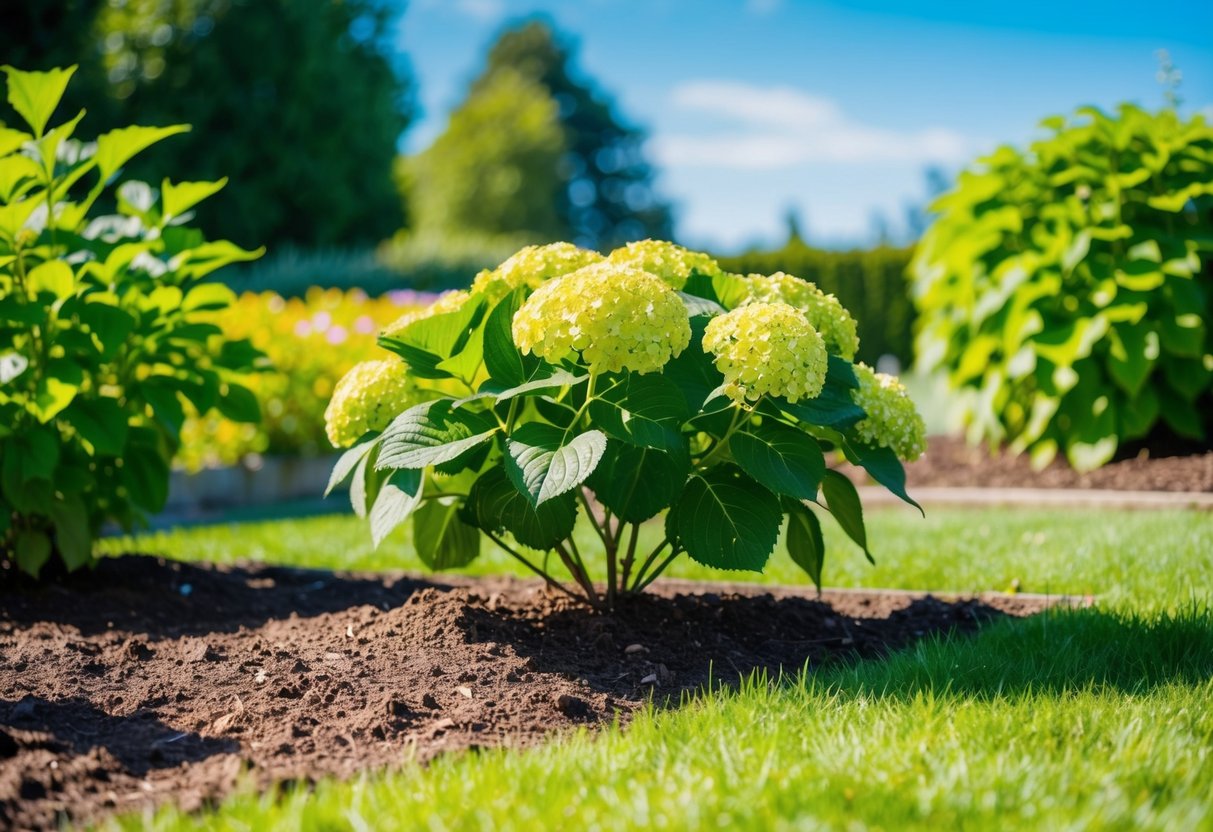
x=566, y=384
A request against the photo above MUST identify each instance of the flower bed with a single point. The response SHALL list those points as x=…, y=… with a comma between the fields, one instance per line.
x=312, y=342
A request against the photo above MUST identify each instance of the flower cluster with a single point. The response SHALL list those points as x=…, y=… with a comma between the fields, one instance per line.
x=767, y=349
x=618, y=318
x=892, y=420
x=533, y=266
x=367, y=398
x=672, y=263
x=448, y=302
x=829, y=317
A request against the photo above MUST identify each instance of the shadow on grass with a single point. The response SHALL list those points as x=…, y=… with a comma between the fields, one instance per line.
x=1060, y=651
x=162, y=598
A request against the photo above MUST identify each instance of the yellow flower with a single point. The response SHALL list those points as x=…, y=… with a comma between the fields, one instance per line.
x=533, y=266
x=767, y=349
x=448, y=302
x=672, y=263
x=367, y=398
x=892, y=420
x=617, y=318
x=825, y=313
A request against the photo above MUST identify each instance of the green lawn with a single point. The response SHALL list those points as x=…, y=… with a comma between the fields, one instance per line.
x=1089, y=719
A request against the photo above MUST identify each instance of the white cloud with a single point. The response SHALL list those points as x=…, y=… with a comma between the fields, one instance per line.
x=781, y=127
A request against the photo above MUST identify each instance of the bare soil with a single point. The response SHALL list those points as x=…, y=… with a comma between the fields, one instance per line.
x=950, y=462
x=150, y=681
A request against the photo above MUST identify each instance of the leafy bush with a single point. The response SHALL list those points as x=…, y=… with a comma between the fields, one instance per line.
x=311, y=343
x=102, y=335
x=646, y=380
x=871, y=283
x=1063, y=285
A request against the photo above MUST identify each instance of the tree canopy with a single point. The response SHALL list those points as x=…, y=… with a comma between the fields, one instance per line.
x=595, y=179
x=301, y=101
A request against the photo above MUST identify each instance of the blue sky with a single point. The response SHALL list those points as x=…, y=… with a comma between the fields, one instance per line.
x=835, y=109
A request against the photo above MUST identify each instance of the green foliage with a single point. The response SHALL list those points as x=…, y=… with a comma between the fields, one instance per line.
x=103, y=332
x=301, y=101
x=535, y=150
x=512, y=443
x=872, y=284
x=1063, y=285
x=495, y=170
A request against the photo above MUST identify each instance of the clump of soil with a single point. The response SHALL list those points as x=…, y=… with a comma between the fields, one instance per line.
x=149, y=681
x=952, y=463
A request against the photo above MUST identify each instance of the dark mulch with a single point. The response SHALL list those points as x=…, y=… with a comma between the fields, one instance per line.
x=149, y=681
x=950, y=462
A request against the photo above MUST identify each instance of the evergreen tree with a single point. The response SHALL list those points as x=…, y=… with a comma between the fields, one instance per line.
x=494, y=170
x=607, y=195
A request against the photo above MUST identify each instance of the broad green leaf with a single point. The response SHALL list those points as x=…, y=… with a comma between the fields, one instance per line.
x=833, y=407
x=496, y=505
x=636, y=483
x=11, y=140
x=1134, y=349
x=199, y=261
x=884, y=467
x=726, y=520
x=545, y=461
x=53, y=276
x=73, y=537
x=782, y=459
x=18, y=175
x=805, y=543
x=366, y=482
x=346, y=464
x=398, y=497
x=108, y=324
x=101, y=421
x=557, y=380
x=441, y=538
x=51, y=396
x=207, y=297
x=843, y=502
x=239, y=404
x=692, y=371
x=426, y=343
x=145, y=471
x=176, y=199
x=35, y=95
x=33, y=550
x=643, y=410
x=162, y=396
x=507, y=366
x=699, y=306
x=117, y=147
x=432, y=433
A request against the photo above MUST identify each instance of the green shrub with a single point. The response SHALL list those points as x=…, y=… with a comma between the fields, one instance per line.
x=100, y=331
x=1064, y=286
x=870, y=283
x=624, y=386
